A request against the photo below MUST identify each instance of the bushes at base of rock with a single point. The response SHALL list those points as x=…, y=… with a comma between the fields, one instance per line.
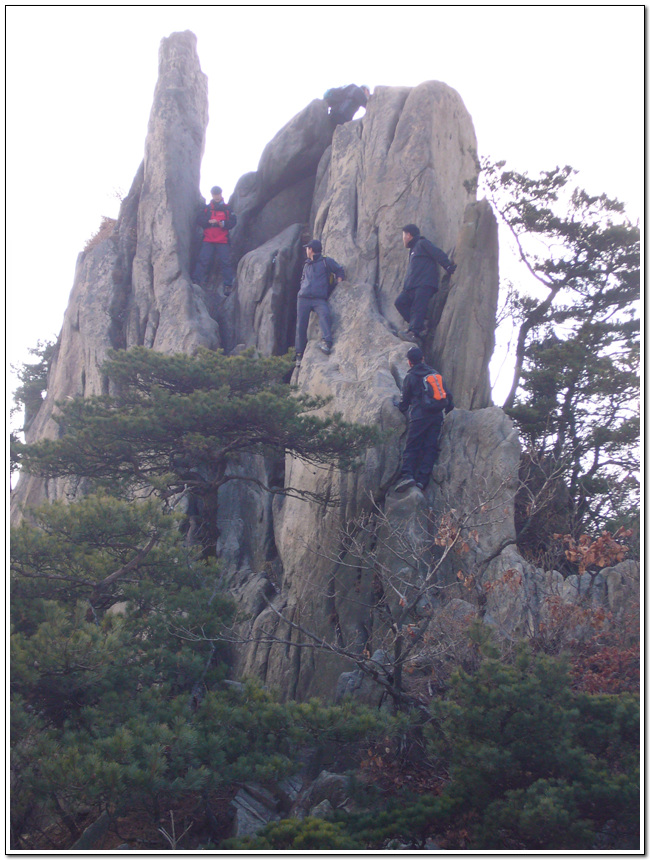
x=296, y=834
x=536, y=765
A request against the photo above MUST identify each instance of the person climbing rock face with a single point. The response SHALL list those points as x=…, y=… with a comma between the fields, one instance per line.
x=421, y=281
x=217, y=220
x=344, y=102
x=315, y=289
x=426, y=414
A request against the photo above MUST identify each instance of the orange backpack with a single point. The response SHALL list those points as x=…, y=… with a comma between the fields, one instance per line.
x=435, y=396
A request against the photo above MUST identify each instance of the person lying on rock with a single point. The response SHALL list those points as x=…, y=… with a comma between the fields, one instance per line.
x=421, y=281
x=217, y=220
x=319, y=277
x=426, y=408
x=344, y=102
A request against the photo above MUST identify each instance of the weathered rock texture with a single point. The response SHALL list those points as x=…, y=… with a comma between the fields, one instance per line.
x=411, y=158
x=463, y=340
x=165, y=312
x=280, y=191
x=134, y=287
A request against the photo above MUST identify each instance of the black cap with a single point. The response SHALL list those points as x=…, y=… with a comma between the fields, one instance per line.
x=216, y=190
x=414, y=355
x=315, y=245
x=412, y=230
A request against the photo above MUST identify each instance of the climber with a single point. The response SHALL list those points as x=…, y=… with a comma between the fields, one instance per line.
x=319, y=277
x=216, y=220
x=344, y=102
x=425, y=419
x=421, y=281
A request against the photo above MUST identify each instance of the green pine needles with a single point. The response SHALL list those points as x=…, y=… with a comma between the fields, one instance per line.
x=575, y=388
x=117, y=703
x=172, y=422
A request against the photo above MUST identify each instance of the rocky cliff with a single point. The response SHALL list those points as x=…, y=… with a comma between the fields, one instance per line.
x=134, y=287
x=411, y=158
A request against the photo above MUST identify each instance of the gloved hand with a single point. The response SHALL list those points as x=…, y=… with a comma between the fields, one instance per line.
x=452, y=269
x=395, y=400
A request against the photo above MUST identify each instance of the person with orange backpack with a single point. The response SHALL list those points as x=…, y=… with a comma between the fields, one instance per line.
x=427, y=400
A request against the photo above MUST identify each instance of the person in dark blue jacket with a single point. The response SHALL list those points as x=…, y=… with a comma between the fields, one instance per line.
x=421, y=281
x=313, y=295
x=424, y=424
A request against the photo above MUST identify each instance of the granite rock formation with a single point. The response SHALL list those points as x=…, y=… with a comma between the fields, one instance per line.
x=411, y=158
x=134, y=288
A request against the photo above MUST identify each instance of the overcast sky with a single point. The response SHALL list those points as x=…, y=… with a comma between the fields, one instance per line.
x=544, y=86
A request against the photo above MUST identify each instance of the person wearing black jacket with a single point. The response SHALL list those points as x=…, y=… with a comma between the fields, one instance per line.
x=421, y=281
x=424, y=424
x=313, y=294
x=344, y=102
x=216, y=220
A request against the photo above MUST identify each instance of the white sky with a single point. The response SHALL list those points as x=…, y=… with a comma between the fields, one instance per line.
x=544, y=86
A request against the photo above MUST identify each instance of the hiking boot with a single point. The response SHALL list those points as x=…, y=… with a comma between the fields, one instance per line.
x=409, y=335
x=325, y=347
x=298, y=360
x=227, y=289
x=404, y=484
x=419, y=486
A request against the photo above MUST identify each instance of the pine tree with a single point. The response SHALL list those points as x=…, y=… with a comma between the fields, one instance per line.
x=117, y=700
x=534, y=765
x=33, y=378
x=117, y=624
x=575, y=389
x=174, y=424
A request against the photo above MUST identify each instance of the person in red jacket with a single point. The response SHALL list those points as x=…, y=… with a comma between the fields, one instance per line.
x=216, y=220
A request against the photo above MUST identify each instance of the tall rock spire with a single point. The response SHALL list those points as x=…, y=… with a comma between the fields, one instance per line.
x=165, y=312
x=134, y=288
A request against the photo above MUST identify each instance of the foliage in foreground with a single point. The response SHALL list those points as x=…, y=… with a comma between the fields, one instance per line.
x=530, y=765
x=294, y=834
x=113, y=706
x=112, y=709
x=534, y=764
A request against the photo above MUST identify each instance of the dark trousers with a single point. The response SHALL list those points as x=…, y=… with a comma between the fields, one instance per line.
x=305, y=307
x=422, y=449
x=412, y=305
x=210, y=250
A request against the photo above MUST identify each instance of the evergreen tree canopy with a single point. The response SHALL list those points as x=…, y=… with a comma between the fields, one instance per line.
x=534, y=764
x=33, y=380
x=175, y=422
x=116, y=706
x=100, y=549
x=575, y=390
